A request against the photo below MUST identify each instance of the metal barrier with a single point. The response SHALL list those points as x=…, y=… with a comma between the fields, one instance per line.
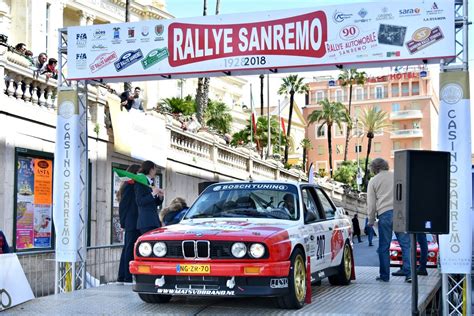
x=39, y=266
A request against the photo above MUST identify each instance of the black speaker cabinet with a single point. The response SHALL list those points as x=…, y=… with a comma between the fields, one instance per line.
x=421, y=191
x=203, y=185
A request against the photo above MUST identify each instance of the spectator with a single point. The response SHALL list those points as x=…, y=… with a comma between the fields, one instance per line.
x=148, y=199
x=50, y=71
x=40, y=62
x=137, y=103
x=193, y=124
x=3, y=244
x=126, y=100
x=356, y=227
x=128, y=212
x=20, y=48
x=29, y=56
x=173, y=213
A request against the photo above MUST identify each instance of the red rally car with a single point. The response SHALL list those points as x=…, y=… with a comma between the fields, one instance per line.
x=396, y=252
x=247, y=239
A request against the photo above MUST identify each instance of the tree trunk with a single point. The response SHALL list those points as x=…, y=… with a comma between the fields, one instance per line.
x=304, y=159
x=292, y=98
x=348, y=129
x=330, y=149
x=366, y=173
x=200, y=91
x=261, y=94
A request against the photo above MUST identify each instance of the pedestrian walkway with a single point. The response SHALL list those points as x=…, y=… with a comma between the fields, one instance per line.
x=364, y=296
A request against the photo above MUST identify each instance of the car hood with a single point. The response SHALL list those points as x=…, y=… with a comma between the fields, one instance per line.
x=217, y=229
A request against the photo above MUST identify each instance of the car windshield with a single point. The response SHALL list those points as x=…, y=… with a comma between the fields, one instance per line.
x=250, y=200
x=429, y=237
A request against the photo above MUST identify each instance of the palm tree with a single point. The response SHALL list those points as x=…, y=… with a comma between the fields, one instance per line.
x=218, y=117
x=305, y=144
x=291, y=85
x=187, y=106
x=372, y=120
x=331, y=113
x=350, y=77
x=243, y=136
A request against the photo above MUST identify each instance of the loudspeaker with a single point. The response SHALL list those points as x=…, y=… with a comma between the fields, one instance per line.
x=421, y=191
x=203, y=185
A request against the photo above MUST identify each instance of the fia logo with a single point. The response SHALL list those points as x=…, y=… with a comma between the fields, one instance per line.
x=81, y=56
x=117, y=33
x=81, y=39
x=81, y=60
x=131, y=32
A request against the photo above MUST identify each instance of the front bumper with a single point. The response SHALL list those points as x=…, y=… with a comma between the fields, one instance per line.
x=224, y=279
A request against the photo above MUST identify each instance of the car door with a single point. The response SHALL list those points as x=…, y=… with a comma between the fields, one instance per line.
x=318, y=243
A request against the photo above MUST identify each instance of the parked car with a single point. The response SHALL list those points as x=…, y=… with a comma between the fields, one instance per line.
x=396, y=252
x=247, y=239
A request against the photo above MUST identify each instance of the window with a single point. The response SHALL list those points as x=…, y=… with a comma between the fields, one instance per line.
x=416, y=124
x=395, y=90
x=339, y=95
x=396, y=126
x=377, y=147
x=379, y=92
x=415, y=88
x=309, y=204
x=319, y=96
x=339, y=132
x=320, y=131
x=320, y=150
x=395, y=107
x=405, y=89
x=47, y=24
x=327, y=206
x=359, y=94
x=339, y=149
x=33, y=202
x=415, y=106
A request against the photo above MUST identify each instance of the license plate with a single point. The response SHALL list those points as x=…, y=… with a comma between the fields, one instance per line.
x=193, y=268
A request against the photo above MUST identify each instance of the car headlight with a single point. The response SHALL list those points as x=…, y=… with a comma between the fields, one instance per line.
x=393, y=253
x=431, y=254
x=257, y=250
x=239, y=250
x=159, y=249
x=144, y=249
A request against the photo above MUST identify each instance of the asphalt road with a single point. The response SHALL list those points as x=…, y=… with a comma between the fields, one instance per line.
x=363, y=254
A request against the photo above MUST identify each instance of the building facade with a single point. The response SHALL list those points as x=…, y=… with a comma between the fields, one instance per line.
x=411, y=105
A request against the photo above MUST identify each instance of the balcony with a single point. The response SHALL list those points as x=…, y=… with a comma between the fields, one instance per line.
x=406, y=115
x=407, y=133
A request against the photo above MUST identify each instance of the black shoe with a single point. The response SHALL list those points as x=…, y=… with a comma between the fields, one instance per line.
x=421, y=272
x=408, y=279
x=380, y=279
x=370, y=245
x=399, y=273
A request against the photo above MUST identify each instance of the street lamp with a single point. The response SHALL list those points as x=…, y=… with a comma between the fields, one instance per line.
x=359, y=173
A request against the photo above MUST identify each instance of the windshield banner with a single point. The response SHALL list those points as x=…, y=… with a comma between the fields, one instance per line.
x=379, y=33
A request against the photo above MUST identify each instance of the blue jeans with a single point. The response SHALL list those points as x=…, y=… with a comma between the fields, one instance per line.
x=404, y=241
x=421, y=238
x=385, y=237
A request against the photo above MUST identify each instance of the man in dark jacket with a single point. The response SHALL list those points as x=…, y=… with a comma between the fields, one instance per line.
x=356, y=227
x=3, y=244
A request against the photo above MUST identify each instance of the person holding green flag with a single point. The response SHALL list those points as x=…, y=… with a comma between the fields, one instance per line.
x=148, y=198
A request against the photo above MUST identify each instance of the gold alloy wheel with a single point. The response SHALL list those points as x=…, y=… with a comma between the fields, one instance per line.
x=347, y=262
x=300, y=278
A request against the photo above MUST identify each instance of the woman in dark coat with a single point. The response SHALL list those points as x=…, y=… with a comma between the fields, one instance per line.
x=128, y=212
x=148, y=199
x=356, y=227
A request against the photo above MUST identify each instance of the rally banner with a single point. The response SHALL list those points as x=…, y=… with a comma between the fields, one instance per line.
x=455, y=137
x=66, y=184
x=378, y=34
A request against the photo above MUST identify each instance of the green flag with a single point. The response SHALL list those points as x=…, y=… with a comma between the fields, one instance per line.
x=125, y=176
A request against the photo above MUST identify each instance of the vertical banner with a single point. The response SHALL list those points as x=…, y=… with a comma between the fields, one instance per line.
x=455, y=137
x=66, y=186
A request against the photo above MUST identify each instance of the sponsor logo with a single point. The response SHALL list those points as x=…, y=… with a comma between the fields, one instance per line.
x=434, y=9
x=145, y=31
x=362, y=13
x=81, y=39
x=116, y=33
x=66, y=109
x=81, y=60
x=393, y=54
x=424, y=37
x=131, y=32
x=102, y=60
x=353, y=46
x=128, y=58
x=409, y=12
x=43, y=164
x=154, y=56
x=195, y=292
x=452, y=93
x=439, y=18
x=159, y=29
x=339, y=17
x=385, y=15
x=251, y=186
x=279, y=283
x=97, y=47
x=98, y=34
x=349, y=32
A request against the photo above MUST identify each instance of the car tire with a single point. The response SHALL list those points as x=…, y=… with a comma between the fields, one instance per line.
x=296, y=283
x=154, y=298
x=344, y=271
